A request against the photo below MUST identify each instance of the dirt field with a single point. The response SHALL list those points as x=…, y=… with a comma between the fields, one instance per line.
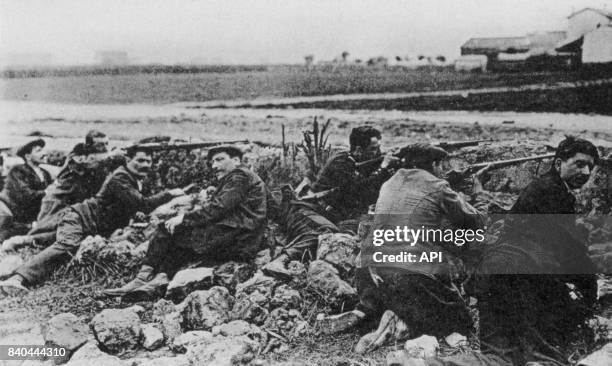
x=288, y=81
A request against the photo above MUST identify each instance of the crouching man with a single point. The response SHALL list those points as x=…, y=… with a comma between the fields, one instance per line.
x=417, y=296
x=112, y=207
x=229, y=226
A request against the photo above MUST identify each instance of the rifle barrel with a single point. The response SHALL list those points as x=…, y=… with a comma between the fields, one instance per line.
x=504, y=163
x=156, y=146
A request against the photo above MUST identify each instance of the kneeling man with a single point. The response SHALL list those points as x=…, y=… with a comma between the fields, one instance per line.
x=229, y=226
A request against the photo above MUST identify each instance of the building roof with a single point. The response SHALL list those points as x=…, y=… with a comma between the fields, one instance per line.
x=605, y=13
x=498, y=43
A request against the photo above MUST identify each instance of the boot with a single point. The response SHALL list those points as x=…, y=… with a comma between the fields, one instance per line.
x=391, y=328
x=152, y=289
x=13, y=286
x=144, y=275
x=331, y=324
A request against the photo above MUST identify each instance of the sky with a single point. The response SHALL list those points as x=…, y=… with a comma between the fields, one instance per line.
x=69, y=32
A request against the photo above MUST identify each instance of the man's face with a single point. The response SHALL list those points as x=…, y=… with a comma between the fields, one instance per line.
x=140, y=164
x=223, y=164
x=576, y=170
x=369, y=152
x=92, y=161
x=100, y=144
x=37, y=156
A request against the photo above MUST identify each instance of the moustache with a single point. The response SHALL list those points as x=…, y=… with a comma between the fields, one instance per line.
x=580, y=179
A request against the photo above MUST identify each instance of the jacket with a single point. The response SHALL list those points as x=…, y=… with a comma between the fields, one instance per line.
x=354, y=189
x=23, y=191
x=73, y=184
x=116, y=202
x=418, y=200
x=238, y=202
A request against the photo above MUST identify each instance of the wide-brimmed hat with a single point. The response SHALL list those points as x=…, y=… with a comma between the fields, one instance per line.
x=27, y=148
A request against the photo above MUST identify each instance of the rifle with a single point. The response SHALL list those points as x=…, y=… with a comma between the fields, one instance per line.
x=446, y=145
x=455, y=176
x=163, y=146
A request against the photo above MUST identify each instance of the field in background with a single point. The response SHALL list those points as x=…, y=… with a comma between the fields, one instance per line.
x=121, y=86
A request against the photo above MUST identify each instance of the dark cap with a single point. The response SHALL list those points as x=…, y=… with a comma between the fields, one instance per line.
x=27, y=148
x=79, y=149
x=231, y=150
x=362, y=136
x=421, y=155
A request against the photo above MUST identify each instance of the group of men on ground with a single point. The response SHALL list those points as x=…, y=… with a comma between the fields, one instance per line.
x=520, y=281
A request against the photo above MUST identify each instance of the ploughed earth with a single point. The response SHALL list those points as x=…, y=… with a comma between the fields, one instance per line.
x=239, y=313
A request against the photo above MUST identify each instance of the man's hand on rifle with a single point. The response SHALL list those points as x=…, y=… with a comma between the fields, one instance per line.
x=173, y=223
x=388, y=159
x=478, y=178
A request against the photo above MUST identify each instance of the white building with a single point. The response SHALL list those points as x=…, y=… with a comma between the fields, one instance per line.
x=586, y=20
x=589, y=35
x=597, y=46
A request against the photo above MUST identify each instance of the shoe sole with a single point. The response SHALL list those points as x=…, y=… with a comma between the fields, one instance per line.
x=144, y=295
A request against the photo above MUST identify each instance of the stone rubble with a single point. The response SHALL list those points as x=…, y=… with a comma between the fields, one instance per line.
x=117, y=329
x=187, y=281
x=206, y=308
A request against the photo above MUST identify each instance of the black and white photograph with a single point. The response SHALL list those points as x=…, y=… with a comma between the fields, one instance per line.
x=306, y=182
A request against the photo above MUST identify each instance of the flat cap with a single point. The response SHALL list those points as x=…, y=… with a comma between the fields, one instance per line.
x=421, y=153
x=27, y=148
x=231, y=150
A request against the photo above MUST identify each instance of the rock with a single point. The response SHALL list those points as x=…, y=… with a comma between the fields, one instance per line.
x=339, y=249
x=90, y=354
x=230, y=274
x=181, y=343
x=286, y=297
x=237, y=328
x=288, y=323
x=65, y=330
x=247, y=309
x=297, y=270
x=422, y=347
x=402, y=358
x=456, y=340
x=179, y=360
x=259, y=289
x=116, y=329
x=262, y=258
x=9, y=263
x=189, y=280
x=162, y=308
x=171, y=325
x=601, y=357
x=323, y=277
x=205, y=309
x=137, y=309
x=168, y=315
x=152, y=338
x=223, y=351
